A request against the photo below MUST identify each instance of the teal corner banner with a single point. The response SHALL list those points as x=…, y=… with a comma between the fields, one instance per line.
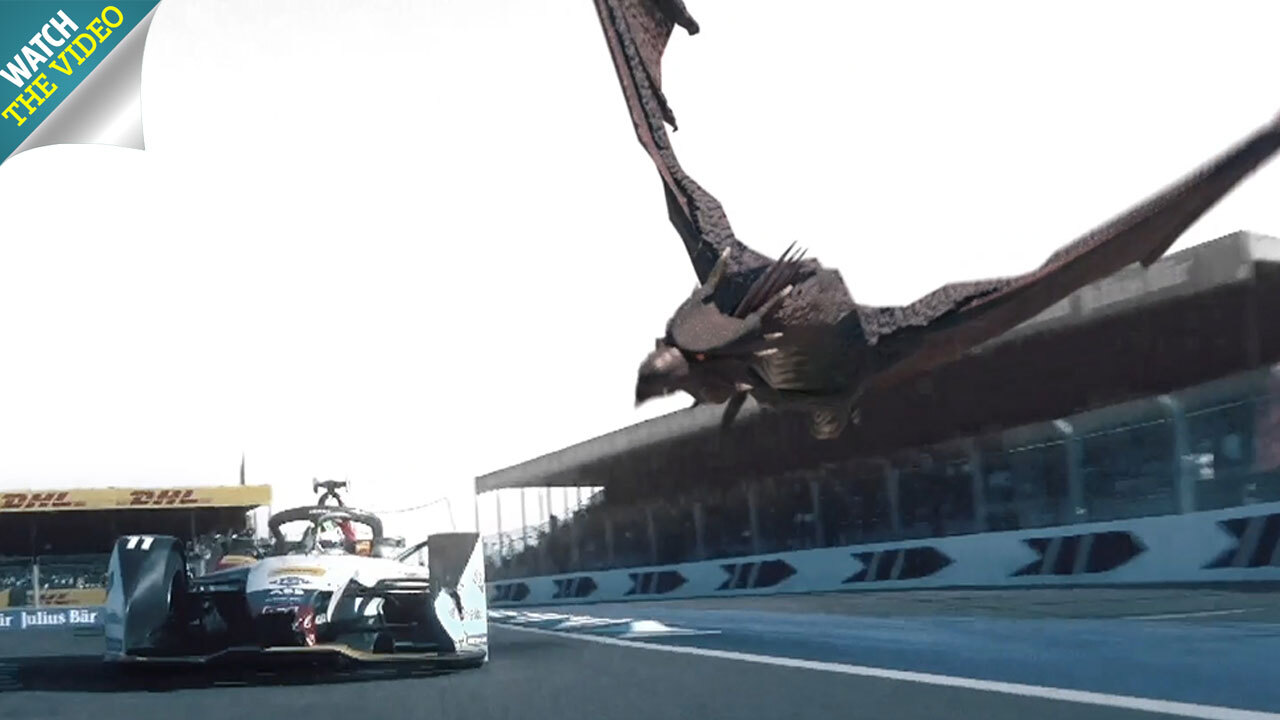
x=75, y=73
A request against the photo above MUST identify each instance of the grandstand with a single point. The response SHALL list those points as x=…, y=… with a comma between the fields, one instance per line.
x=60, y=540
x=1152, y=392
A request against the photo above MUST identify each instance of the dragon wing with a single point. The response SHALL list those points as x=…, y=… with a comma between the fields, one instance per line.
x=939, y=327
x=637, y=32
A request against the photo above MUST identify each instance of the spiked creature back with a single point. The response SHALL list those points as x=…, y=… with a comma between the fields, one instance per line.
x=700, y=326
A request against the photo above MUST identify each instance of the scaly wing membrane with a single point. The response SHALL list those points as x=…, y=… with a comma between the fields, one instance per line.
x=946, y=323
x=637, y=32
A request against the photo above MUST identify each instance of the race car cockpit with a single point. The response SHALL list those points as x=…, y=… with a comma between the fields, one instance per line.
x=332, y=528
x=329, y=534
x=328, y=530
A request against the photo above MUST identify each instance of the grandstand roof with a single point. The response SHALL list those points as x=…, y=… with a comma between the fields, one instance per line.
x=1191, y=317
x=87, y=499
x=88, y=520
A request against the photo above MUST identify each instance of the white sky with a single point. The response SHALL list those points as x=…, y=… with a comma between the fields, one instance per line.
x=415, y=242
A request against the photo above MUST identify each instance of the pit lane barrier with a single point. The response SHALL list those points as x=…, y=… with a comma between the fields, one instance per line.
x=1234, y=545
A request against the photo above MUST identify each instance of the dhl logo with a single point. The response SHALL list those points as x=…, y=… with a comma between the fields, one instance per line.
x=32, y=501
x=162, y=497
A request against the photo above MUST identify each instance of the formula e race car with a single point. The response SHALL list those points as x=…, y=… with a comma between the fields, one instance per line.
x=330, y=593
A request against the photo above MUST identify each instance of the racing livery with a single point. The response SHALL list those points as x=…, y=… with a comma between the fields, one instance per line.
x=328, y=593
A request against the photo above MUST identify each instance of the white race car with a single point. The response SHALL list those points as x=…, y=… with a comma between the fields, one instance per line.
x=330, y=593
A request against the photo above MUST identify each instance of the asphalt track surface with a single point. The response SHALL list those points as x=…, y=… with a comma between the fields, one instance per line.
x=941, y=654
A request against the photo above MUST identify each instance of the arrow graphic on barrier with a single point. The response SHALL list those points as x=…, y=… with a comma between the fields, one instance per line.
x=752, y=575
x=1081, y=554
x=1257, y=542
x=655, y=582
x=510, y=592
x=899, y=564
x=574, y=587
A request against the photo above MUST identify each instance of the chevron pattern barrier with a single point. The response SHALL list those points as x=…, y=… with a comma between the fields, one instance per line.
x=1232, y=545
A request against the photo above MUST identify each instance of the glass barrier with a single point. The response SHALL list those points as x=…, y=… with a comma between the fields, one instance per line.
x=785, y=514
x=1221, y=453
x=64, y=572
x=936, y=498
x=17, y=576
x=855, y=506
x=64, y=580
x=1026, y=487
x=1129, y=472
x=594, y=540
x=632, y=544
x=1212, y=456
x=726, y=522
x=675, y=532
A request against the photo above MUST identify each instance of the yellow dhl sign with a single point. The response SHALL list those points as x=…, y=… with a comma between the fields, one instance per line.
x=134, y=498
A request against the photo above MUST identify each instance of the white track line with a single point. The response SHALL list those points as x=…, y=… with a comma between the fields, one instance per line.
x=1201, y=613
x=1168, y=707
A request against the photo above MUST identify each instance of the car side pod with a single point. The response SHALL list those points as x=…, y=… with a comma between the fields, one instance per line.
x=146, y=596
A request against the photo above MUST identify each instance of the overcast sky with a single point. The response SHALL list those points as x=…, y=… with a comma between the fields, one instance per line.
x=415, y=242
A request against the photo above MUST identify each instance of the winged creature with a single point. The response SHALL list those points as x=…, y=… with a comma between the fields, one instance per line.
x=787, y=332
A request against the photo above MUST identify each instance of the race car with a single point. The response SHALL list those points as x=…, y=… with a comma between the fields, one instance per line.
x=329, y=593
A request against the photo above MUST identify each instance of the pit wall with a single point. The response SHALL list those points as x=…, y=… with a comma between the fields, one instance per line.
x=1239, y=544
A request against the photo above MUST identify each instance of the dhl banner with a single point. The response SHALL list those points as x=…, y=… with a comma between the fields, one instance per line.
x=71, y=597
x=134, y=498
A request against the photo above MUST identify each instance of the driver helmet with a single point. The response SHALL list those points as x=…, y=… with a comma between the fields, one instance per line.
x=331, y=537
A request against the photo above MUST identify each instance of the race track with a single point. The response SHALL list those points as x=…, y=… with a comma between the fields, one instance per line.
x=998, y=654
